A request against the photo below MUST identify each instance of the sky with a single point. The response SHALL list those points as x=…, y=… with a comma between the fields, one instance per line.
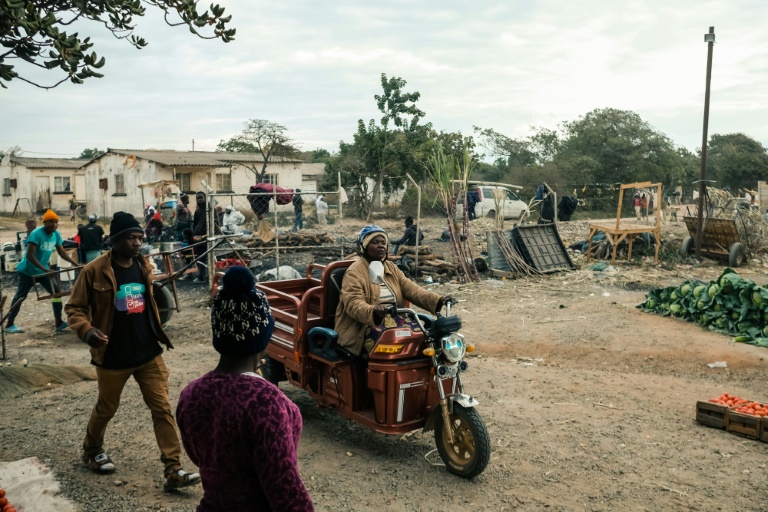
x=315, y=67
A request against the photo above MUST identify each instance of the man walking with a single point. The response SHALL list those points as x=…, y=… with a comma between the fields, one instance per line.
x=183, y=217
x=298, y=211
x=40, y=245
x=112, y=309
x=200, y=231
x=91, y=238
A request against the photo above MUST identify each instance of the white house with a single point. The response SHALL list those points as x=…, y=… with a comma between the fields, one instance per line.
x=113, y=179
x=32, y=185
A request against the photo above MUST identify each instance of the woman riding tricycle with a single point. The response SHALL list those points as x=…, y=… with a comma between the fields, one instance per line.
x=353, y=343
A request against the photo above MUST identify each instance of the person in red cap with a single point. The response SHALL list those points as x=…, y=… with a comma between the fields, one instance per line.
x=113, y=309
x=41, y=243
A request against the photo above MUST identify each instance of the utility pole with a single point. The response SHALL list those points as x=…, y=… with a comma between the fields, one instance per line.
x=193, y=144
x=709, y=38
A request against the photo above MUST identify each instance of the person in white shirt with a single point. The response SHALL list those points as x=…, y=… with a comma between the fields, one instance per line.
x=322, y=210
x=232, y=221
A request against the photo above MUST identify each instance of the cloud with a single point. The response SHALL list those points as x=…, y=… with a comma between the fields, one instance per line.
x=316, y=66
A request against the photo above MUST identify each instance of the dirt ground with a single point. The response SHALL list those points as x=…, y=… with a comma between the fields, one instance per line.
x=590, y=405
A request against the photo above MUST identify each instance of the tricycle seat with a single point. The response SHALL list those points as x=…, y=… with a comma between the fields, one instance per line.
x=322, y=343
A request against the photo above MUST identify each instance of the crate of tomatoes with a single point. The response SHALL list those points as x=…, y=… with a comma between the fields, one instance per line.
x=734, y=414
x=747, y=419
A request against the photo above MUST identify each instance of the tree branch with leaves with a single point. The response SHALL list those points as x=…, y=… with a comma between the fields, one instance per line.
x=32, y=32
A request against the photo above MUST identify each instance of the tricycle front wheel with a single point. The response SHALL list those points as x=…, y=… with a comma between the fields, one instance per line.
x=470, y=451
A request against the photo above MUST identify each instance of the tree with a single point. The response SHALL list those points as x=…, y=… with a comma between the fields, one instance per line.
x=266, y=138
x=399, y=108
x=90, y=153
x=11, y=151
x=33, y=31
x=616, y=146
x=736, y=160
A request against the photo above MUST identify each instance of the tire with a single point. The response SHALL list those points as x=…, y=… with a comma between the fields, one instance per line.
x=468, y=456
x=737, y=257
x=491, y=214
x=164, y=301
x=687, y=246
x=273, y=371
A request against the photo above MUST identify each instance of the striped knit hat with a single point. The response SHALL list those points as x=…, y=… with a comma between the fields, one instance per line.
x=241, y=319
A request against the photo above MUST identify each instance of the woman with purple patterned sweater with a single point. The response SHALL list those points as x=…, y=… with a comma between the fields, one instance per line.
x=240, y=430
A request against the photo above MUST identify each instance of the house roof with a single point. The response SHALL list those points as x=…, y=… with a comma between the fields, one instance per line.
x=49, y=163
x=196, y=158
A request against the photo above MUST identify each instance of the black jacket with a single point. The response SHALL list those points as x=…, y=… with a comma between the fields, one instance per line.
x=409, y=237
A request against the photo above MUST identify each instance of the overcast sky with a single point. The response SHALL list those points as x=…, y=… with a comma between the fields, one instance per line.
x=315, y=67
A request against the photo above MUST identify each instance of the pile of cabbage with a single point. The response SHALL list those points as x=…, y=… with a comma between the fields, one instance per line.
x=730, y=305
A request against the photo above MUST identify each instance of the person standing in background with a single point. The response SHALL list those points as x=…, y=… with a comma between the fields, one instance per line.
x=183, y=217
x=72, y=208
x=200, y=231
x=298, y=211
x=322, y=210
x=91, y=239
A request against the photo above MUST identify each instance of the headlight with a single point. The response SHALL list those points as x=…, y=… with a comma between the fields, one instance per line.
x=454, y=347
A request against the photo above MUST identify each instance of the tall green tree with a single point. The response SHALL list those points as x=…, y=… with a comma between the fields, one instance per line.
x=398, y=109
x=34, y=32
x=616, y=146
x=266, y=138
x=736, y=160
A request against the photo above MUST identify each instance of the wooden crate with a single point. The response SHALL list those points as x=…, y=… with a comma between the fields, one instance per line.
x=744, y=424
x=764, y=431
x=711, y=415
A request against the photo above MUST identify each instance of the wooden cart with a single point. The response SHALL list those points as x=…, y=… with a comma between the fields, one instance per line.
x=720, y=240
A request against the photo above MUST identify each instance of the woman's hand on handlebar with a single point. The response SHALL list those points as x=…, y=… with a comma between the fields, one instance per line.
x=445, y=300
x=381, y=310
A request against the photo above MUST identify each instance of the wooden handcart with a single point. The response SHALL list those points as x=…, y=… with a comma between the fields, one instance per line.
x=720, y=240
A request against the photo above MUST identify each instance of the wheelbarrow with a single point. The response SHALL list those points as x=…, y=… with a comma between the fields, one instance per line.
x=720, y=240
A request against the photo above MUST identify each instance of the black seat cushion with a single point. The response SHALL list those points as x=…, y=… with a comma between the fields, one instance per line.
x=333, y=292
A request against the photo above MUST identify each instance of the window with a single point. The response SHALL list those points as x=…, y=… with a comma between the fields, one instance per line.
x=511, y=196
x=61, y=184
x=185, y=181
x=119, y=184
x=6, y=186
x=270, y=178
x=224, y=182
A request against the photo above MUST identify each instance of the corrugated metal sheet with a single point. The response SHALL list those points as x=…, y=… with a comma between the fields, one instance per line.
x=49, y=163
x=194, y=158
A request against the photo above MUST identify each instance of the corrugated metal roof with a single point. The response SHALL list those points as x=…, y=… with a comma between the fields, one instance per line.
x=49, y=163
x=195, y=158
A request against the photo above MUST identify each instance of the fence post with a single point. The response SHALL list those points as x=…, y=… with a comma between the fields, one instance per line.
x=341, y=215
x=418, y=222
x=277, y=236
x=211, y=233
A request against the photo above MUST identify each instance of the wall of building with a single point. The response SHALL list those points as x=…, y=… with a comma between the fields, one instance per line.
x=107, y=202
x=35, y=188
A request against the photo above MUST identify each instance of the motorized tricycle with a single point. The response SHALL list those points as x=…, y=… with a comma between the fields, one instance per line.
x=411, y=379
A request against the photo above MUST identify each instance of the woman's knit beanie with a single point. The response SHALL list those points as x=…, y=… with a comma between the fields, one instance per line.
x=241, y=319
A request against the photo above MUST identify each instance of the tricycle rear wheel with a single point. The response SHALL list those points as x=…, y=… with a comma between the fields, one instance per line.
x=470, y=451
x=737, y=255
x=273, y=371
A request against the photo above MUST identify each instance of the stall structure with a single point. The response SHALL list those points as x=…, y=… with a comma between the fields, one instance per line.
x=616, y=233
